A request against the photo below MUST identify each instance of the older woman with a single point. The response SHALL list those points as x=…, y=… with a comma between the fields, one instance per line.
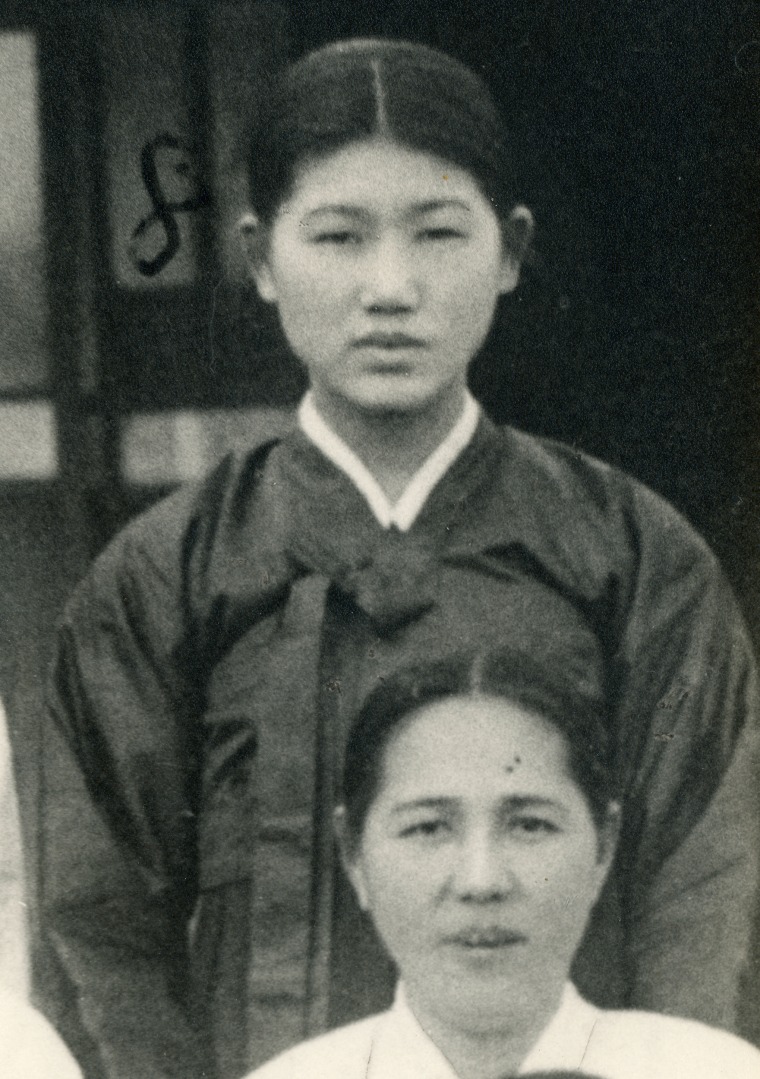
x=479, y=821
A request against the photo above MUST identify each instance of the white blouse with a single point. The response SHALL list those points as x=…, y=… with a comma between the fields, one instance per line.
x=579, y=1038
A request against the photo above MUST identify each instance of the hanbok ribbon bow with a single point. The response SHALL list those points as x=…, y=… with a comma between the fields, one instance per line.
x=395, y=586
x=392, y=586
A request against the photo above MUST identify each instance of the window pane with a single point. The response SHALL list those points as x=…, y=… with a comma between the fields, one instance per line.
x=169, y=447
x=23, y=309
x=28, y=449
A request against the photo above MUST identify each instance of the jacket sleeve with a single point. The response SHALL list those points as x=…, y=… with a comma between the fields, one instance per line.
x=688, y=710
x=118, y=863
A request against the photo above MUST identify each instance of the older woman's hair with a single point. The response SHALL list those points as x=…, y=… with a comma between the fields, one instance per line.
x=538, y=688
x=355, y=90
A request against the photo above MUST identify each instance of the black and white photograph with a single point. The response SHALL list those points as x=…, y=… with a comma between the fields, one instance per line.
x=380, y=539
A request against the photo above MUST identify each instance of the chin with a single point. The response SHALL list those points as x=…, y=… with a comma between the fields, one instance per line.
x=393, y=405
x=485, y=1008
x=407, y=399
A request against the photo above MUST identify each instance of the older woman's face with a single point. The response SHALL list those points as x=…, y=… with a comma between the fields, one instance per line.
x=479, y=860
x=385, y=264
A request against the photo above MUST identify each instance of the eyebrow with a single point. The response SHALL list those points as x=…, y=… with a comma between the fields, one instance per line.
x=442, y=204
x=513, y=802
x=418, y=208
x=335, y=208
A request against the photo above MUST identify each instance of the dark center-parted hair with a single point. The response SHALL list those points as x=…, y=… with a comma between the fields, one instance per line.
x=351, y=91
x=512, y=676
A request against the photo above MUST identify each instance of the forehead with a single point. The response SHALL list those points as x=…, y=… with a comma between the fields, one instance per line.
x=476, y=746
x=378, y=173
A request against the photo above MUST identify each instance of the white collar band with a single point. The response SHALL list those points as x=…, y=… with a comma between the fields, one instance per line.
x=405, y=511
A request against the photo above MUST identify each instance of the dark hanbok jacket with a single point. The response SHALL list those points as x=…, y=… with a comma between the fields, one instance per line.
x=207, y=669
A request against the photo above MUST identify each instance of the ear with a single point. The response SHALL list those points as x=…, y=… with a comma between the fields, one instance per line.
x=350, y=857
x=609, y=833
x=517, y=232
x=255, y=240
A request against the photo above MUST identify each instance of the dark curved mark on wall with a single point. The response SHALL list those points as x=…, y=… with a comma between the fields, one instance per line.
x=164, y=209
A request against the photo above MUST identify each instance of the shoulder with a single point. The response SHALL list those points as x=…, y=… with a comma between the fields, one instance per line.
x=225, y=490
x=643, y=1045
x=565, y=480
x=570, y=470
x=341, y=1053
x=152, y=549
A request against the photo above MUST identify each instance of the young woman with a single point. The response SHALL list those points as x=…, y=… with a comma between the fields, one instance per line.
x=478, y=824
x=209, y=663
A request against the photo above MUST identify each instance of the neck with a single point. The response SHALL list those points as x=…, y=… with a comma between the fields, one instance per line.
x=392, y=444
x=488, y=1051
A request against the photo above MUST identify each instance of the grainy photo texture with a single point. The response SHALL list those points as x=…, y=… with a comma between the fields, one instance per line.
x=379, y=563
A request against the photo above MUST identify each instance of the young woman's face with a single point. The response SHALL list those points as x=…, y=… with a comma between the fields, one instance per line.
x=385, y=264
x=479, y=860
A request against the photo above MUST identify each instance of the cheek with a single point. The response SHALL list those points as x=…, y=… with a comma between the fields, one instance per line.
x=468, y=293
x=399, y=887
x=310, y=314
x=305, y=284
x=402, y=912
x=566, y=886
x=301, y=295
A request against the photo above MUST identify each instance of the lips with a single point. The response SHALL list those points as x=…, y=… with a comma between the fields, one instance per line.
x=389, y=341
x=486, y=937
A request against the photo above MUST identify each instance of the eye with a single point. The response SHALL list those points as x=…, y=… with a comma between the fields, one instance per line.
x=434, y=828
x=337, y=237
x=442, y=232
x=533, y=828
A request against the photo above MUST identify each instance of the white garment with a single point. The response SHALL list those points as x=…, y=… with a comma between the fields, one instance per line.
x=14, y=973
x=405, y=511
x=580, y=1038
x=29, y=1047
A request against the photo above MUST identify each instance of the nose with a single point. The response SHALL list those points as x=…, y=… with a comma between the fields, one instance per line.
x=483, y=870
x=390, y=281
